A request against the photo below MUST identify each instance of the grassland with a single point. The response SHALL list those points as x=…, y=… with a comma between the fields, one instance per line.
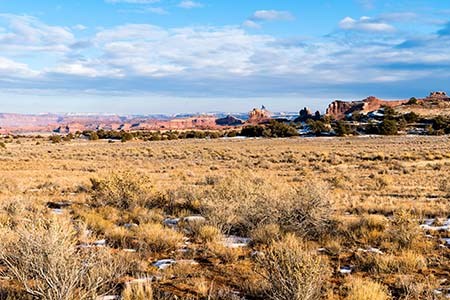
x=318, y=218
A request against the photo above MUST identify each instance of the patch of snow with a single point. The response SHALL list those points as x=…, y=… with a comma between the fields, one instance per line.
x=130, y=225
x=100, y=243
x=428, y=225
x=194, y=219
x=171, y=222
x=57, y=211
x=345, y=270
x=442, y=292
x=371, y=250
x=164, y=263
x=446, y=241
x=129, y=250
x=232, y=241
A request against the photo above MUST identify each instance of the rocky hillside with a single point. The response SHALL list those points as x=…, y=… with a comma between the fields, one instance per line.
x=435, y=104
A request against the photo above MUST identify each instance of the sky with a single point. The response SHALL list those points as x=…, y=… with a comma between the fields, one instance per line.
x=180, y=56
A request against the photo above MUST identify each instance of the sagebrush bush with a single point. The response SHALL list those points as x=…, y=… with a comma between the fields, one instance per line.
x=156, y=238
x=44, y=257
x=124, y=190
x=292, y=271
x=241, y=202
x=265, y=234
x=405, y=230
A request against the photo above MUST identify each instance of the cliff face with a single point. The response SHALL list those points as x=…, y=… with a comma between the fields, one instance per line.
x=229, y=121
x=17, y=123
x=259, y=116
x=339, y=109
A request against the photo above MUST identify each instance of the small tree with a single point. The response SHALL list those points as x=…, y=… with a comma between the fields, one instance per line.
x=55, y=139
x=389, y=127
x=412, y=101
x=342, y=129
x=93, y=136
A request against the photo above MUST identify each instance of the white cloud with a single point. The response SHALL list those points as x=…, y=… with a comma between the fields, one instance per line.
x=131, y=32
x=10, y=68
x=251, y=24
x=365, y=24
x=272, y=15
x=26, y=33
x=79, y=27
x=208, y=60
x=188, y=4
x=156, y=10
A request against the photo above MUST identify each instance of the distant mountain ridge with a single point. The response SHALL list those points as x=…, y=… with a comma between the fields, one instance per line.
x=437, y=103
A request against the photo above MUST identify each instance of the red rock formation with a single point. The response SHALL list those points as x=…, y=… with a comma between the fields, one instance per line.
x=339, y=109
x=259, y=116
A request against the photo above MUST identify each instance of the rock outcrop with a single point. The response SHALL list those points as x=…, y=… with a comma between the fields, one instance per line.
x=259, y=116
x=229, y=121
x=339, y=109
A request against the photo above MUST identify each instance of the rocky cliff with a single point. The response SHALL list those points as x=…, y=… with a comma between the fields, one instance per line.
x=339, y=109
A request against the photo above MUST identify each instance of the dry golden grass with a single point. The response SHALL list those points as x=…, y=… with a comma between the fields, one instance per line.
x=346, y=195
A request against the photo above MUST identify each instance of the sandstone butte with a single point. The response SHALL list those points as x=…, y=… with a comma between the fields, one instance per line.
x=338, y=109
x=435, y=103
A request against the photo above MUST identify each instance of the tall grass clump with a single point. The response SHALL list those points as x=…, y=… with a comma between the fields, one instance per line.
x=365, y=289
x=292, y=271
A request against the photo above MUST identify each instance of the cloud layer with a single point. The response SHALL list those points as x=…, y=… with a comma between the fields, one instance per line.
x=230, y=61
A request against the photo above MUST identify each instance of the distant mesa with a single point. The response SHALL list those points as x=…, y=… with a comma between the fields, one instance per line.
x=439, y=95
x=229, y=121
x=306, y=114
x=340, y=109
x=259, y=116
x=436, y=103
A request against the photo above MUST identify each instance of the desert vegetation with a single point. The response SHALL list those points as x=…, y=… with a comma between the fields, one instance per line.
x=293, y=218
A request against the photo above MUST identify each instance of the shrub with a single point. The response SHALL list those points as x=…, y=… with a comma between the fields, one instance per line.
x=93, y=136
x=318, y=127
x=405, y=230
x=240, y=203
x=156, y=238
x=389, y=127
x=362, y=289
x=121, y=190
x=55, y=139
x=126, y=136
x=292, y=272
x=46, y=253
x=265, y=234
x=208, y=233
x=412, y=101
x=342, y=129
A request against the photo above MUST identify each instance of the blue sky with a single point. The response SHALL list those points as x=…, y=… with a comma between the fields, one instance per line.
x=167, y=56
